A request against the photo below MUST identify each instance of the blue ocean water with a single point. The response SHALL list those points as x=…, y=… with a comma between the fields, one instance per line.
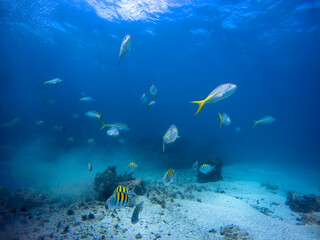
x=269, y=49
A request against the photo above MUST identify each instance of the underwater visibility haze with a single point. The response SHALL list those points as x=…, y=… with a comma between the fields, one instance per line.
x=183, y=104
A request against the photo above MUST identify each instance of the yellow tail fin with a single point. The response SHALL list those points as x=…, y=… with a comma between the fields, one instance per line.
x=200, y=103
x=255, y=123
x=220, y=120
x=163, y=147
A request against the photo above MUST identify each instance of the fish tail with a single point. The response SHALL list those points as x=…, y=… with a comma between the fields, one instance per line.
x=220, y=120
x=154, y=96
x=163, y=147
x=255, y=123
x=119, y=63
x=200, y=103
x=43, y=82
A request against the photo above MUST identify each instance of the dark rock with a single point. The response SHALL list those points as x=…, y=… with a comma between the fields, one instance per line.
x=106, y=182
x=303, y=203
x=70, y=212
x=90, y=216
x=270, y=186
x=233, y=232
x=65, y=230
x=138, y=236
x=84, y=217
x=212, y=230
x=309, y=219
x=212, y=176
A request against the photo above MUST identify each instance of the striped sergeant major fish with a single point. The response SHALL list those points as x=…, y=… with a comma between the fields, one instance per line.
x=121, y=189
x=135, y=214
x=169, y=177
x=219, y=93
x=133, y=166
x=118, y=200
x=206, y=168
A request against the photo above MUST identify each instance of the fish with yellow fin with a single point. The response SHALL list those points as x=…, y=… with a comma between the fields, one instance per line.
x=224, y=119
x=219, y=93
x=169, y=177
x=170, y=136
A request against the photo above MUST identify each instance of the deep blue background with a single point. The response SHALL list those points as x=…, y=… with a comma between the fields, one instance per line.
x=272, y=55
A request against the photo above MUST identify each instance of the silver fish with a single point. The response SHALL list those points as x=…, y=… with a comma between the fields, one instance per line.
x=135, y=214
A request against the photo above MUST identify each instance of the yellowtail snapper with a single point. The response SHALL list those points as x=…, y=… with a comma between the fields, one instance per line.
x=113, y=132
x=135, y=214
x=219, y=93
x=224, y=119
x=264, y=120
x=170, y=136
x=93, y=114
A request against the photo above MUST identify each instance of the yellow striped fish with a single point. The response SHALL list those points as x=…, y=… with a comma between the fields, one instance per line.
x=169, y=177
x=133, y=166
x=118, y=200
x=121, y=189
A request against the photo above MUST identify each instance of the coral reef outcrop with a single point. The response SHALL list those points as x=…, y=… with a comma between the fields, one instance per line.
x=303, y=203
x=105, y=183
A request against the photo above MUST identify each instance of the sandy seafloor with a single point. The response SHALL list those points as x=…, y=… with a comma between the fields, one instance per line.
x=197, y=209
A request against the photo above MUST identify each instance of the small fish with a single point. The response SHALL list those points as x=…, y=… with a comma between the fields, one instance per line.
x=91, y=141
x=151, y=103
x=219, y=93
x=52, y=82
x=238, y=129
x=144, y=99
x=93, y=114
x=135, y=214
x=59, y=128
x=224, y=119
x=169, y=177
x=86, y=99
x=170, y=136
x=125, y=47
x=120, y=126
x=153, y=90
x=133, y=166
x=264, y=120
x=48, y=101
x=195, y=166
x=125, y=190
x=40, y=123
x=118, y=200
x=11, y=123
x=71, y=139
x=113, y=132
x=89, y=167
x=205, y=168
